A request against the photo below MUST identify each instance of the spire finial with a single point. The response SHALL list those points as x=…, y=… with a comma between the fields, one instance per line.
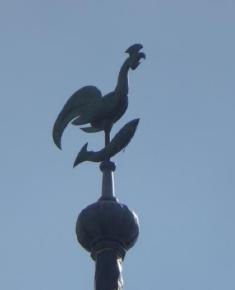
x=107, y=229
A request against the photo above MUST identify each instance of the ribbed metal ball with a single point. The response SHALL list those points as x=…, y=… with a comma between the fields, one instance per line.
x=107, y=224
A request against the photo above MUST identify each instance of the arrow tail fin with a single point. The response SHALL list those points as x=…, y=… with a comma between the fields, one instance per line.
x=82, y=155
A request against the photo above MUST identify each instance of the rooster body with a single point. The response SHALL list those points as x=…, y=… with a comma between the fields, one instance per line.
x=87, y=106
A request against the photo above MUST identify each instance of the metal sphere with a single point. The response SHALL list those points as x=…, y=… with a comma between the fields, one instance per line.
x=107, y=224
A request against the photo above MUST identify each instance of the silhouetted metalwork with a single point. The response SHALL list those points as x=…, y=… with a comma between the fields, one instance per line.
x=107, y=229
x=87, y=106
x=120, y=141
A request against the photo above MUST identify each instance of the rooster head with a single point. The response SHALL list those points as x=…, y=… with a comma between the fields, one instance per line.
x=135, y=55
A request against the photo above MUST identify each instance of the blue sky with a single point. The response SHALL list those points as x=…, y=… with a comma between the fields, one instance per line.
x=177, y=173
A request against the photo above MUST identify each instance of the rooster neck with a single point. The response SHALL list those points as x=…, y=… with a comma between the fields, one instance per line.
x=122, y=83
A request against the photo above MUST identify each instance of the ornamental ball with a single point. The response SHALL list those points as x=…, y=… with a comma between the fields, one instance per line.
x=107, y=221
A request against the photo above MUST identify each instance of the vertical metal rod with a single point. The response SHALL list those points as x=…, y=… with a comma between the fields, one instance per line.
x=107, y=137
x=108, y=191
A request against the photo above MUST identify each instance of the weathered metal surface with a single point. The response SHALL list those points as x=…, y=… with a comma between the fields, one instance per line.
x=107, y=229
x=88, y=106
x=108, y=189
x=117, y=144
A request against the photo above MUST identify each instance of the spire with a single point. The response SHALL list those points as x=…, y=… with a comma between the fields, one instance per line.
x=107, y=229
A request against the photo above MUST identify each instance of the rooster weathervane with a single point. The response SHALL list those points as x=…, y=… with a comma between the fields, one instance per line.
x=88, y=106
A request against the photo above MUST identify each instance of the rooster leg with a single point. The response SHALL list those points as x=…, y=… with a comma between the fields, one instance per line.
x=107, y=136
x=107, y=130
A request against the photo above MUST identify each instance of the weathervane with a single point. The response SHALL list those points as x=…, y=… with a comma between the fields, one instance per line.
x=88, y=106
x=106, y=228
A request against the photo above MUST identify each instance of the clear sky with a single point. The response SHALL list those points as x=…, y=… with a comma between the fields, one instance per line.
x=177, y=173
